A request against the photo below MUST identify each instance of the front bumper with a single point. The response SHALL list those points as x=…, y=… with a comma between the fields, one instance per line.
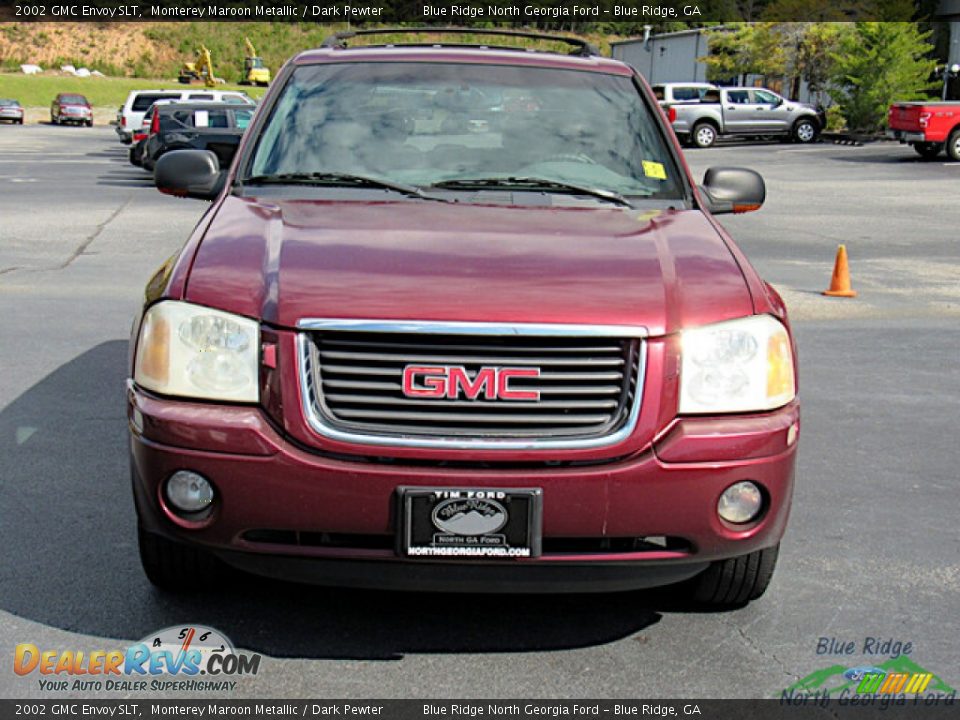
x=273, y=493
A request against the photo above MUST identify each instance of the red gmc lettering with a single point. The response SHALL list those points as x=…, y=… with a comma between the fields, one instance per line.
x=503, y=389
x=454, y=381
x=459, y=380
x=433, y=384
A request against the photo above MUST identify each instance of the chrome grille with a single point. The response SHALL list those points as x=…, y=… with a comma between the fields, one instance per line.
x=353, y=386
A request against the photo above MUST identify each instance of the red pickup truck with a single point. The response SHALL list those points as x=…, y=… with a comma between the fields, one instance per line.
x=927, y=126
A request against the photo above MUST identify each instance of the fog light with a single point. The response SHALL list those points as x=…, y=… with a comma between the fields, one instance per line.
x=740, y=503
x=189, y=492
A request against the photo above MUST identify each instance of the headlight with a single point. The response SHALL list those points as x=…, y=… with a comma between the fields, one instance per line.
x=743, y=365
x=193, y=351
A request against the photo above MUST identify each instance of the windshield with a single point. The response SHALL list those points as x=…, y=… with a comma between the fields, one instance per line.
x=421, y=124
x=143, y=102
x=73, y=99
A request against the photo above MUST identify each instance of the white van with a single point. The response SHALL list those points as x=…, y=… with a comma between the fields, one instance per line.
x=138, y=102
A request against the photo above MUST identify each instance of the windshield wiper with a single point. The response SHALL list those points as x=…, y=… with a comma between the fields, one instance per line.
x=533, y=183
x=342, y=180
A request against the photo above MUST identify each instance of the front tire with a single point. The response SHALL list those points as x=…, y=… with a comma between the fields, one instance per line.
x=953, y=145
x=805, y=131
x=704, y=135
x=178, y=568
x=736, y=581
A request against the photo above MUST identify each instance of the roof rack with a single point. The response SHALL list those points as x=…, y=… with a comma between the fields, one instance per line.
x=580, y=47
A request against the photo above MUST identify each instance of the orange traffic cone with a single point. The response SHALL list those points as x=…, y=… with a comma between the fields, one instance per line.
x=840, y=282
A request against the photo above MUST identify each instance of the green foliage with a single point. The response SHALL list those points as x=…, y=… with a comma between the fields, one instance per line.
x=746, y=49
x=875, y=64
x=836, y=122
x=815, y=52
x=797, y=50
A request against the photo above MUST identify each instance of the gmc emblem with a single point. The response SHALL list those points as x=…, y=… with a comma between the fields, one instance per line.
x=452, y=382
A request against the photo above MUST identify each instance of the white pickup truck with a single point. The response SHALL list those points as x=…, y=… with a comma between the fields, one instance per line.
x=745, y=111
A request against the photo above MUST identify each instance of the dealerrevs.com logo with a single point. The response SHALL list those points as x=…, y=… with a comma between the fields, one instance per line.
x=178, y=658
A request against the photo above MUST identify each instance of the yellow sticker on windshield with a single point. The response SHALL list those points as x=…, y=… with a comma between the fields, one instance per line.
x=654, y=170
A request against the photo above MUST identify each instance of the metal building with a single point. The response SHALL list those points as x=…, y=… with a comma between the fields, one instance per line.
x=949, y=11
x=670, y=57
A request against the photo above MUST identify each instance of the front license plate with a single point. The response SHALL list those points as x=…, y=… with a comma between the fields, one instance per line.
x=469, y=523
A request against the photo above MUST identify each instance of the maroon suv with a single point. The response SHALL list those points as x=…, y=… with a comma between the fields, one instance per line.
x=71, y=108
x=428, y=338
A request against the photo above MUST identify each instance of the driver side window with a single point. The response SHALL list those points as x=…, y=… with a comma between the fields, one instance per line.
x=766, y=97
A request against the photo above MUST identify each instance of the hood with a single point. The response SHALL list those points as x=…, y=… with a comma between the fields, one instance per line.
x=285, y=261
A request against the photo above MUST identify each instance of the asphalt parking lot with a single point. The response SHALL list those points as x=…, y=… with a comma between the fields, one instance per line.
x=871, y=552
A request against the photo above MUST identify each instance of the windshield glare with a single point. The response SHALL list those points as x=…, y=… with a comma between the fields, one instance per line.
x=424, y=123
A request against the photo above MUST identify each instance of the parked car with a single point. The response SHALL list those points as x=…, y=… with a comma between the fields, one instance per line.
x=11, y=111
x=140, y=135
x=744, y=111
x=135, y=153
x=526, y=359
x=71, y=108
x=139, y=101
x=668, y=94
x=217, y=127
x=929, y=127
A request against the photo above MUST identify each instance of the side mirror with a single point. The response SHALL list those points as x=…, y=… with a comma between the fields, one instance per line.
x=189, y=173
x=731, y=190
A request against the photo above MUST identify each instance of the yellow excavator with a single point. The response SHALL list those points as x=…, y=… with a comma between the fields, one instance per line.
x=254, y=71
x=200, y=71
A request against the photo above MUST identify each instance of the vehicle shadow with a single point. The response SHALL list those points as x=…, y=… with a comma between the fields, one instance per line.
x=119, y=153
x=68, y=531
x=134, y=177
x=64, y=125
x=728, y=142
x=896, y=157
